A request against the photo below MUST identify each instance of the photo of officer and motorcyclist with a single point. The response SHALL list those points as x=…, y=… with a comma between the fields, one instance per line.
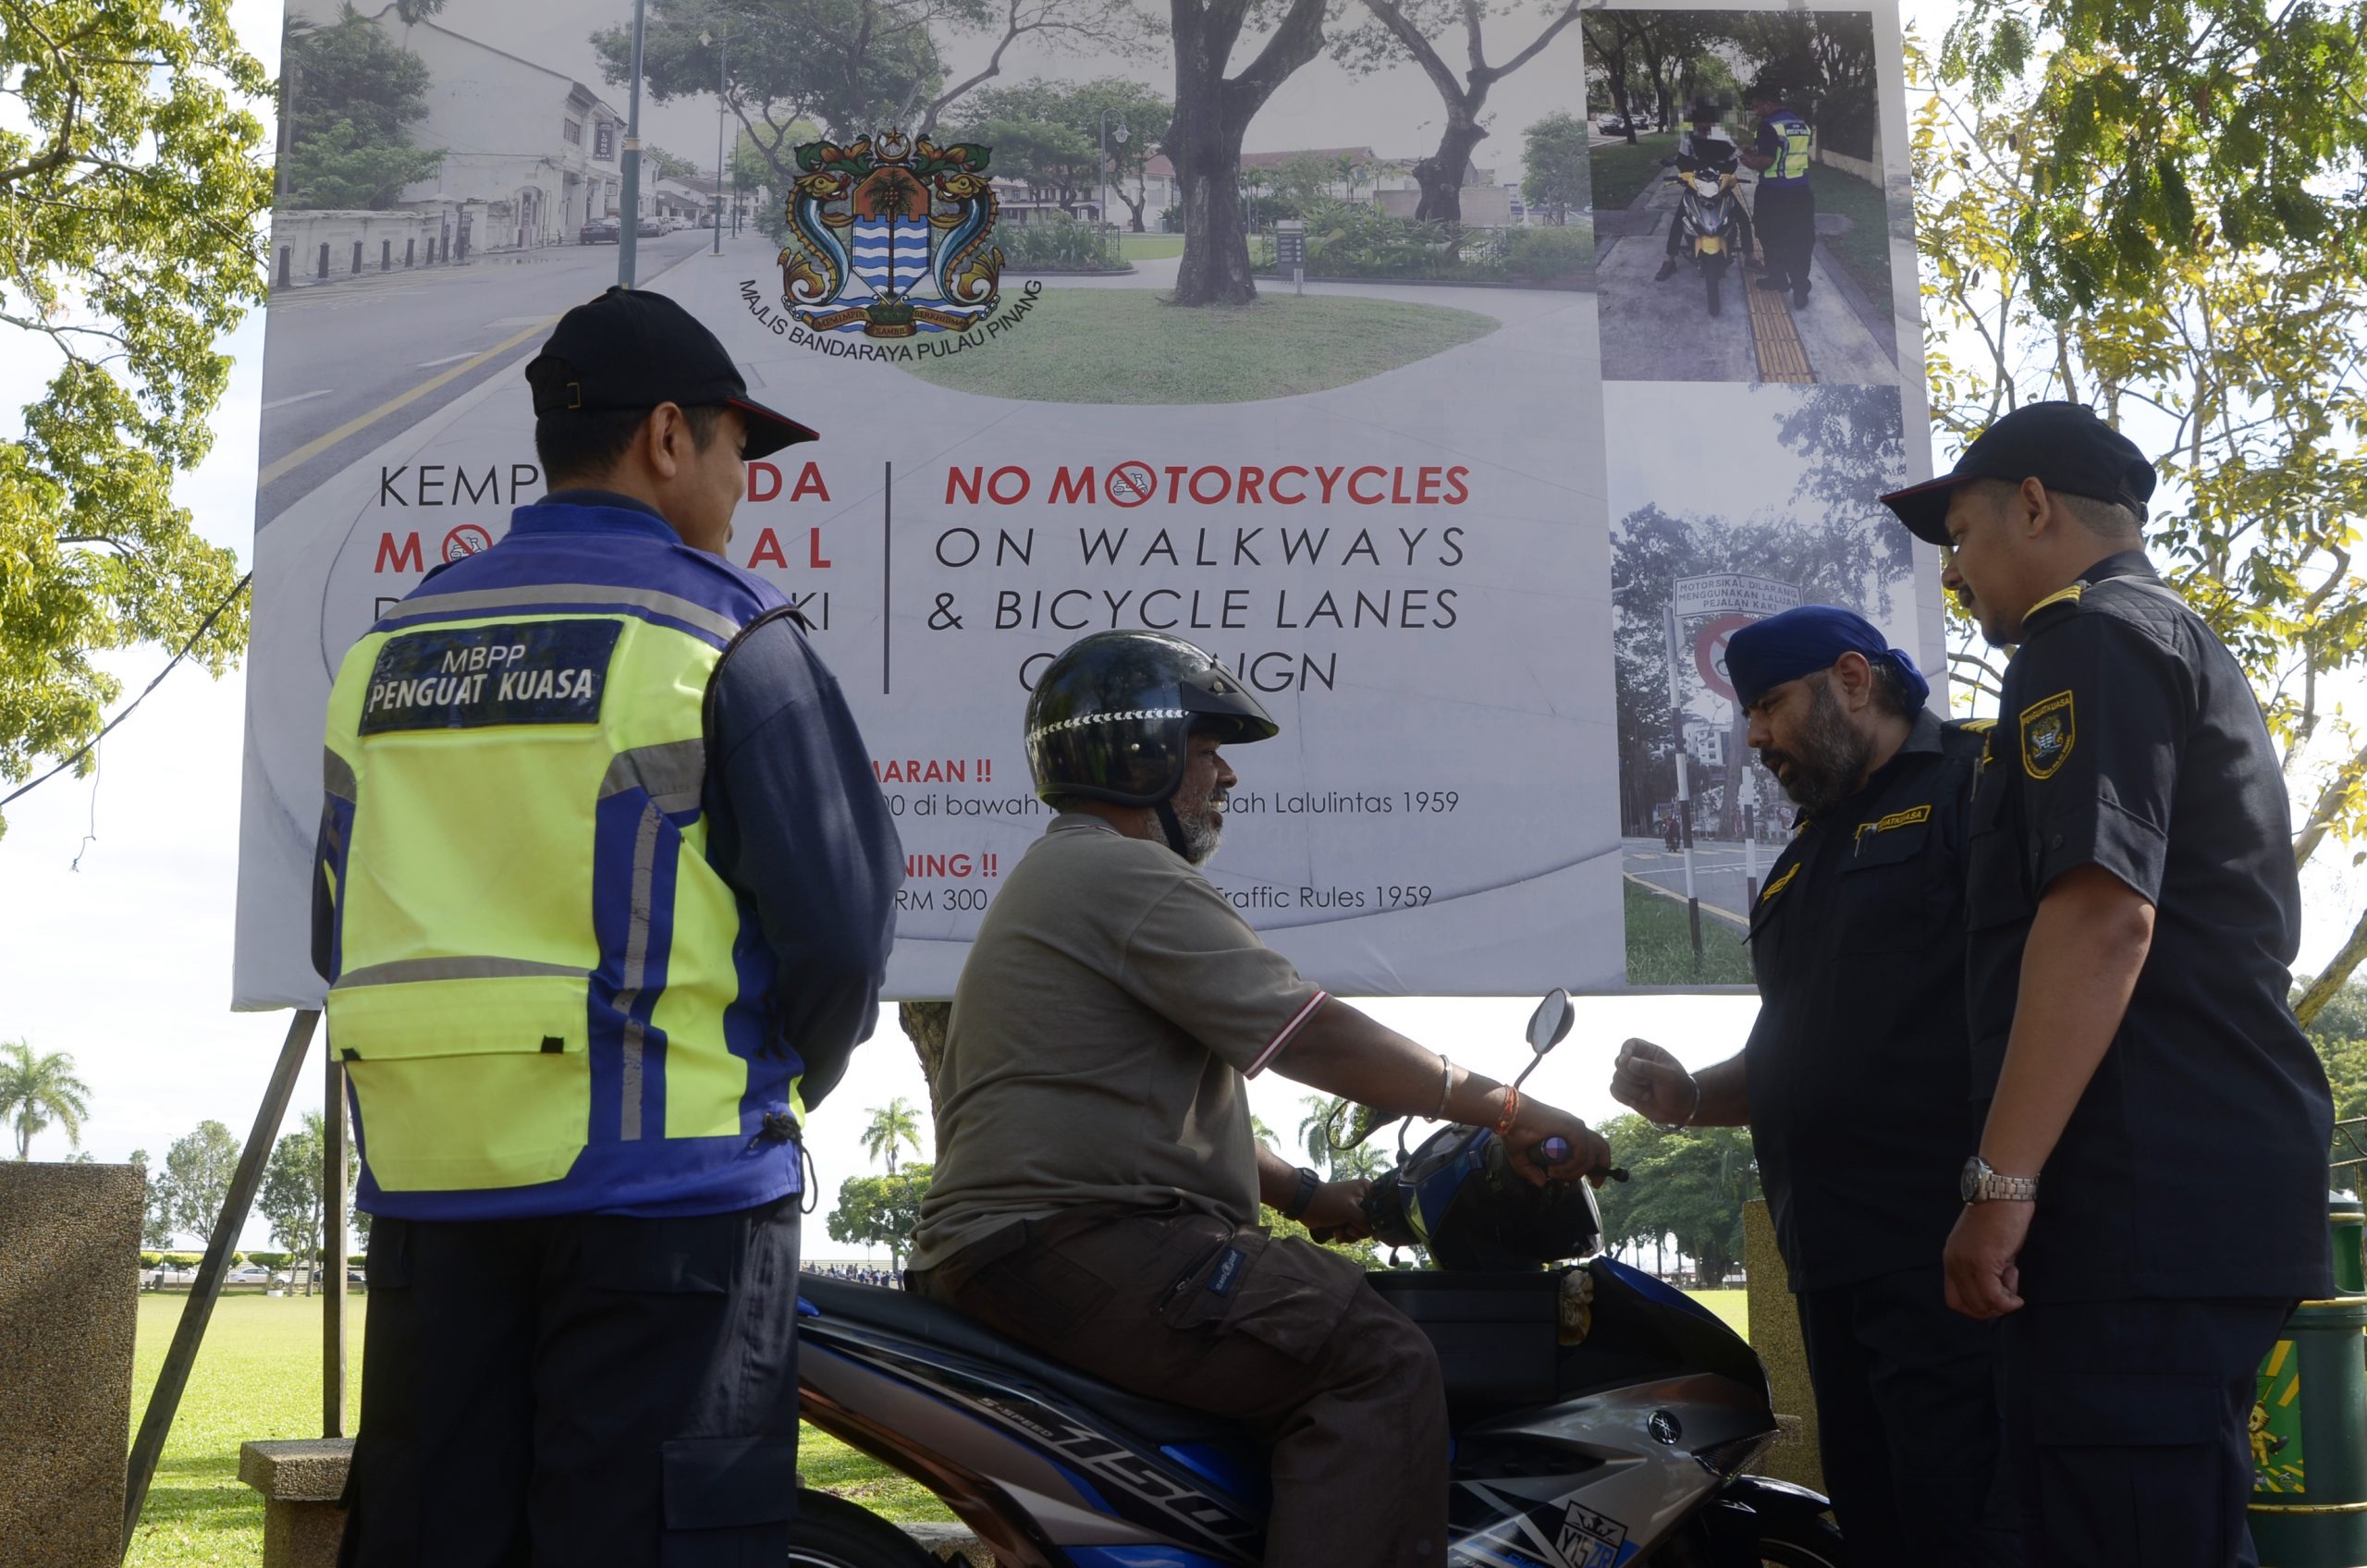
x=1738, y=168
x=1697, y=551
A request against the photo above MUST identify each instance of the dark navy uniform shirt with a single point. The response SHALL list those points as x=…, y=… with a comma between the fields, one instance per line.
x=2195, y=1164
x=1860, y=1069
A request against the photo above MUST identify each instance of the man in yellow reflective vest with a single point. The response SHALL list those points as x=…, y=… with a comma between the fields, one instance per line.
x=1786, y=207
x=603, y=891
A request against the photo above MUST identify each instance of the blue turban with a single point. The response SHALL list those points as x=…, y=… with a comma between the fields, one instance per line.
x=1766, y=653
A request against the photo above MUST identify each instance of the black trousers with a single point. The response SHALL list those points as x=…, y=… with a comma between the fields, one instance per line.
x=2126, y=1428
x=1907, y=1425
x=584, y=1390
x=1786, y=215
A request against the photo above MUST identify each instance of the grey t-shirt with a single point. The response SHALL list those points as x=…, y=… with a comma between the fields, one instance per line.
x=1104, y=1030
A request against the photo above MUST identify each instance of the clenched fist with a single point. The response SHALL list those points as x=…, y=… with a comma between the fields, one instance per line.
x=1649, y=1081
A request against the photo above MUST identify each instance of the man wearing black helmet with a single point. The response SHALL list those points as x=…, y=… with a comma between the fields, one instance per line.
x=1097, y=1184
x=2133, y=912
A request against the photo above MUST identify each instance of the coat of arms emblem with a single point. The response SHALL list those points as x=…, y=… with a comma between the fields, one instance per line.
x=890, y=237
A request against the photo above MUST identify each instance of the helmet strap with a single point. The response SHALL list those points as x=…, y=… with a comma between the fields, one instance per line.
x=1172, y=826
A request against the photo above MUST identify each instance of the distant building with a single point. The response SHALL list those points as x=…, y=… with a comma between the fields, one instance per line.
x=530, y=154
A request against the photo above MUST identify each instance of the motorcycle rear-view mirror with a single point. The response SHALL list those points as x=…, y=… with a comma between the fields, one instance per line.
x=1348, y=1125
x=1549, y=1024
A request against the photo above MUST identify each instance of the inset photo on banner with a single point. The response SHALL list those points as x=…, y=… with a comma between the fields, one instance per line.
x=1787, y=516
x=1745, y=197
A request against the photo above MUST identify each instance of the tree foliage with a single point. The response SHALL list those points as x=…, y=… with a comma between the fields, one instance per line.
x=198, y=1170
x=37, y=1091
x=2163, y=221
x=155, y=1213
x=881, y=1211
x=1418, y=30
x=351, y=92
x=892, y=1126
x=848, y=65
x=294, y=1196
x=1554, y=176
x=130, y=192
x=1689, y=1183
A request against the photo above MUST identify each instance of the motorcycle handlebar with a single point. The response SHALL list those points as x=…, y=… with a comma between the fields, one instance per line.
x=1554, y=1151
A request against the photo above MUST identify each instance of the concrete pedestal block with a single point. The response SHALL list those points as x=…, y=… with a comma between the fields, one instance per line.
x=69, y=1302
x=1775, y=1335
x=301, y=1480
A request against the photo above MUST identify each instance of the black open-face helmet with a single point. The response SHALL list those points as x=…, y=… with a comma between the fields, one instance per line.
x=1112, y=720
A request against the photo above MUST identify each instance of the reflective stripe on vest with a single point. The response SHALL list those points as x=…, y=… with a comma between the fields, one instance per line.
x=1791, y=165
x=534, y=955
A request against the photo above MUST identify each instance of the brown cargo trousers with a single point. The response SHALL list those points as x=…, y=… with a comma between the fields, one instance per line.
x=1281, y=1335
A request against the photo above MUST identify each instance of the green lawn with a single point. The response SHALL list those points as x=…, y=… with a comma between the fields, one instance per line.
x=1618, y=173
x=1149, y=247
x=1130, y=345
x=258, y=1375
x=1864, y=252
x=1733, y=1306
x=1660, y=944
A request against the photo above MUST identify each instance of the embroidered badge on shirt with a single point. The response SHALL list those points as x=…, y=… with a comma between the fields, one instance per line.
x=1906, y=818
x=2049, y=732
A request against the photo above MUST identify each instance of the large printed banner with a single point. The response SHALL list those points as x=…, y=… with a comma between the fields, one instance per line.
x=1470, y=494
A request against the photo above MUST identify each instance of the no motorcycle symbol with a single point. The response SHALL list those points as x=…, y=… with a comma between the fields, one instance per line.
x=1710, y=652
x=466, y=540
x=1130, y=485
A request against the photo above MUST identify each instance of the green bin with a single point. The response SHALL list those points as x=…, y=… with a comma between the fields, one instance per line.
x=2309, y=1505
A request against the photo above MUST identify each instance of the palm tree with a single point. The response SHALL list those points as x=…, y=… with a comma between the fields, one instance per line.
x=37, y=1091
x=1315, y=1127
x=892, y=1124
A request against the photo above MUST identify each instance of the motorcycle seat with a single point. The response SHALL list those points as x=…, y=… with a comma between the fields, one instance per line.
x=908, y=1317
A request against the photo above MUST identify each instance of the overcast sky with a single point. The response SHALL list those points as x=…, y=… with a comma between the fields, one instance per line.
x=124, y=962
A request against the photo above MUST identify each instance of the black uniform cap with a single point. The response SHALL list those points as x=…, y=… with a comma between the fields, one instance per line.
x=2063, y=446
x=631, y=349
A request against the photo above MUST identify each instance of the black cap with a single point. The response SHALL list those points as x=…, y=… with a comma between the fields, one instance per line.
x=631, y=349
x=2063, y=446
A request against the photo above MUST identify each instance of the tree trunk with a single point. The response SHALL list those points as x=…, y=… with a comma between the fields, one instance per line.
x=1440, y=174
x=1215, y=269
x=925, y=1024
x=1212, y=111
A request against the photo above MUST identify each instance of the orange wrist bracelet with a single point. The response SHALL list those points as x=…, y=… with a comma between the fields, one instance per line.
x=1512, y=1109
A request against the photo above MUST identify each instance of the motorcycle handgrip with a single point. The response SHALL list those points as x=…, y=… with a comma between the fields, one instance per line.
x=1554, y=1151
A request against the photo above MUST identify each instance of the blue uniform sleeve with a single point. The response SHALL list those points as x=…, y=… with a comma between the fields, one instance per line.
x=2099, y=722
x=798, y=824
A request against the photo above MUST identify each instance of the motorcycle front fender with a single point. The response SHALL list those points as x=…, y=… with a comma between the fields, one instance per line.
x=1708, y=245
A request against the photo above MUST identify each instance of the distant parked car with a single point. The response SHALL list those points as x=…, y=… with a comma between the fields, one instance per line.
x=600, y=231
x=170, y=1274
x=1611, y=124
x=648, y=229
x=248, y=1274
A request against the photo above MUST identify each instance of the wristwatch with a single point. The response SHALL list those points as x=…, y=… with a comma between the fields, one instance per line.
x=1981, y=1184
x=1308, y=1182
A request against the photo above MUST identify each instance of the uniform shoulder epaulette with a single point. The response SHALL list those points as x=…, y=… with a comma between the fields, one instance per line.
x=2059, y=606
x=1965, y=737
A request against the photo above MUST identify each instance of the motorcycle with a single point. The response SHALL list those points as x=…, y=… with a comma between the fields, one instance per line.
x=1709, y=212
x=1600, y=1417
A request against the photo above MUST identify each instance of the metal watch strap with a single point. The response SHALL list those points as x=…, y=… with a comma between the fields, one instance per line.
x=1308, y=1182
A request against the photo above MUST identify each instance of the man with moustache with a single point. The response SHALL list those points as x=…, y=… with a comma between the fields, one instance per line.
x=1854, y=1081
x=1097, y=1184
x=2147, y=1197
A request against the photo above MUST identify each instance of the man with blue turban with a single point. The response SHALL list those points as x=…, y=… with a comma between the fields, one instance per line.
x=1856, y=1082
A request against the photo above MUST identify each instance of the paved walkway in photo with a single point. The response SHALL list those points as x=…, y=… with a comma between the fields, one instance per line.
x=1663, y=331
x=1721, y=871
